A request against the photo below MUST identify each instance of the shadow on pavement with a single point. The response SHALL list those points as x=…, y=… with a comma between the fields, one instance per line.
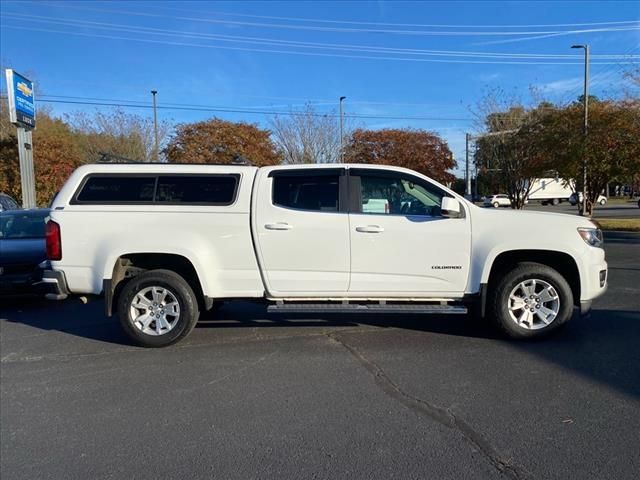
x=603, y=347
x=69, y=316
x=246, y=314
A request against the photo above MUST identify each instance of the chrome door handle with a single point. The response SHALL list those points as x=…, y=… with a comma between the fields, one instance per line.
x=278, y=226
x=370, y=229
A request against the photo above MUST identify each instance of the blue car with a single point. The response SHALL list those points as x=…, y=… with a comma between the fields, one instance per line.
x=22, y=250
x=7, y=203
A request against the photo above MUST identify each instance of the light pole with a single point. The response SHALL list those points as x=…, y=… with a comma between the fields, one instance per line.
x=342, y=130
x=155, y=125
x=585, y=101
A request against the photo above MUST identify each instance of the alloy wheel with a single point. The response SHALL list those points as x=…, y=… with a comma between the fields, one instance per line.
x=533, y=304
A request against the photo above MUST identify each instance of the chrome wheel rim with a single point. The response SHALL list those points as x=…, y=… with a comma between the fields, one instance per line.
x=154, y=310
x=534, y=304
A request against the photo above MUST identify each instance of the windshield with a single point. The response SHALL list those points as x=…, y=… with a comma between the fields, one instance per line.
x=22, y=225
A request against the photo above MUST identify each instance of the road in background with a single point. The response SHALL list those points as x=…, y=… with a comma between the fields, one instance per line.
x=253, y=395
x=610, y=210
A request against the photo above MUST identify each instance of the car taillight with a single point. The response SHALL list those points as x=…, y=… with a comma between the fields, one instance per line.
x=54, y=244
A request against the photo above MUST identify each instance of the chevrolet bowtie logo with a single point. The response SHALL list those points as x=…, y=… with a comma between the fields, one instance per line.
x=24, y=89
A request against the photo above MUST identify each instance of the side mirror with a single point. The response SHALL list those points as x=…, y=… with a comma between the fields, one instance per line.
x=450, y=207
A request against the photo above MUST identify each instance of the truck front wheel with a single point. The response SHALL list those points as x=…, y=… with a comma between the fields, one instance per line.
x=530, y=301
x=157, y=308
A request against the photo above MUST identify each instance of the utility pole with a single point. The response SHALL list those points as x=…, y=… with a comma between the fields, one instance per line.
x=155, y=126
x=475, y=185
x=468, y=139
x=586, y=123
x=342, y=130
x=467, y=174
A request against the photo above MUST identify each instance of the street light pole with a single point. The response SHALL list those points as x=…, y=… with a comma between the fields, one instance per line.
x=155, y=126
x=586, y=123
x=342, y=130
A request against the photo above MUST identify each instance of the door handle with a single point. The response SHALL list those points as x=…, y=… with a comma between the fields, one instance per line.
x=370, y=229
x=278, y=226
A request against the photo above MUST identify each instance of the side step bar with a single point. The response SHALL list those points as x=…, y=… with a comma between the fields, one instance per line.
x=367, y=308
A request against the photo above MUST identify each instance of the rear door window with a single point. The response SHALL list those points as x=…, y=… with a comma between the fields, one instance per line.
x=318, y=193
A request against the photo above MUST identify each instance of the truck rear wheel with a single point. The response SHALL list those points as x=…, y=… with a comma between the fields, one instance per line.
x=531, y=301
x=157, y=308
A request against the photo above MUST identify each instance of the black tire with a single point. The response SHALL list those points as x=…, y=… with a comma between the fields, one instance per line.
x=178, y=288
x=555, y=202
x=496, y=204
x=498, y=302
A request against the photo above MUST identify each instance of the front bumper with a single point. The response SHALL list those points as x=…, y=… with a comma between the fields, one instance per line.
x=597, y=284
x=54, y=285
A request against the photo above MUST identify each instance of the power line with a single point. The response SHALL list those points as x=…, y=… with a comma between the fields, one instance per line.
x=297, y=44
x=427, y=25
x=292, y=52
x=205, y=108
x=303, y=100
x=599, y=74
x=355, y=22
x=346, y=30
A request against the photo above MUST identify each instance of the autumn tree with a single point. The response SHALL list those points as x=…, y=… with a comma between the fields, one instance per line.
x=221, y=141
x=306, y=136
x=504, y=157
x=55, y=156
x=116, y=133
x=611, y=148
x=419, y=150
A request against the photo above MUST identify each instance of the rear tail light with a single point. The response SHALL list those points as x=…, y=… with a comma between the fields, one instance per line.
x=54, y=244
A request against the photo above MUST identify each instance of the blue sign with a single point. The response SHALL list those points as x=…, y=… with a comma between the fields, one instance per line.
x=22, y=105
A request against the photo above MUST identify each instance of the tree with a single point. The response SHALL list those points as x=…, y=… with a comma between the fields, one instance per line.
x=611, y=148
x=116, y=133
x=307, y=136
x=631, y=84
x=55, y=156
x=221, y=141
x=505, y=148
x=419, y=150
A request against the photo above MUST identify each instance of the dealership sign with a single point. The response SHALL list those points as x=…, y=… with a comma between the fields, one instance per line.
x=22, y=105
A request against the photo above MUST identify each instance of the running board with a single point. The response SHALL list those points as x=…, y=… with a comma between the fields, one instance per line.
x=367, y=308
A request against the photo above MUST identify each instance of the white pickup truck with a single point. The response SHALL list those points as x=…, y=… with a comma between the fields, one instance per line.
x=163, y=242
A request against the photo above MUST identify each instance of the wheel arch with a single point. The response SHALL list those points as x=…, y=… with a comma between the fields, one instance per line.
x=129, y=265
x=562, y=262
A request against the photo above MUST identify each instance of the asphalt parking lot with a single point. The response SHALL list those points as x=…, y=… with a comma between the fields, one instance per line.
x=252, y=395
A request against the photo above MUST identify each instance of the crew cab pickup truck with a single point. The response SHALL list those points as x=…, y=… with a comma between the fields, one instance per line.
x=163, y=242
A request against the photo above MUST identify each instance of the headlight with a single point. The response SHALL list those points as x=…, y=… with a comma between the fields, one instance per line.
x=592, y=236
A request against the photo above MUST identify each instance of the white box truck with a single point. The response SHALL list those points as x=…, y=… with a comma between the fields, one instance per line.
x=550, y=190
